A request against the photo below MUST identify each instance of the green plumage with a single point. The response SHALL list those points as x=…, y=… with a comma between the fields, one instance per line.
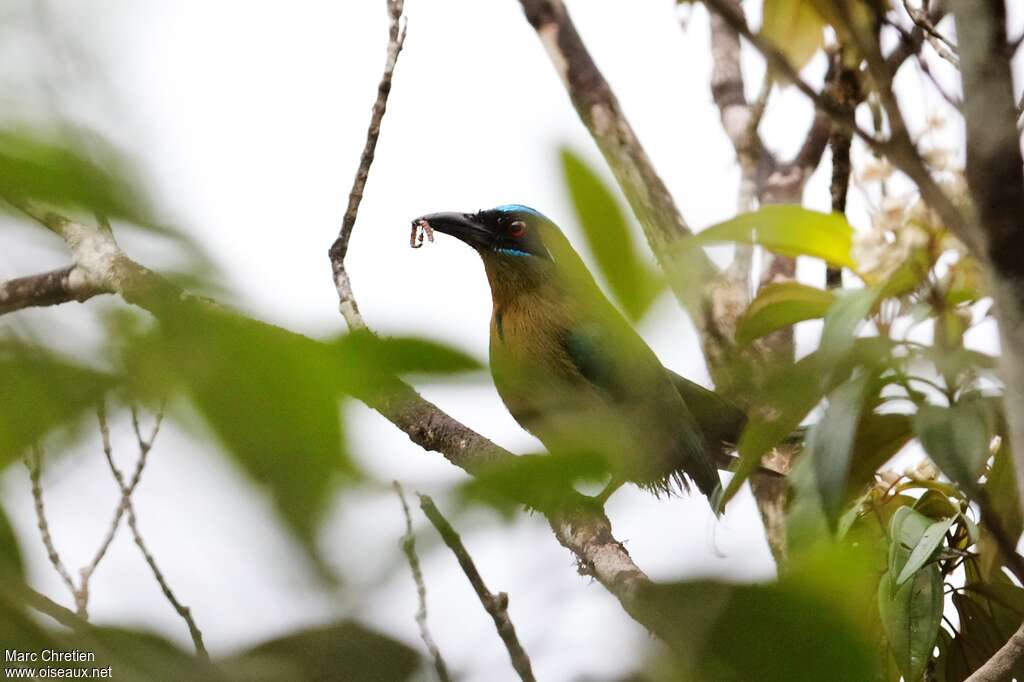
x=574, y=373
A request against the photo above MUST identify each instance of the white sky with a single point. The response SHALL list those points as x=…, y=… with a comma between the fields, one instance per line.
x=247, y=120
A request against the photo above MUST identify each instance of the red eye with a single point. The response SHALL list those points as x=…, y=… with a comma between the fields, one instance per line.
x=517, y=228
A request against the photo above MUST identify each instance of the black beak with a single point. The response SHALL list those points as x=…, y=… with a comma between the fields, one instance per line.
x=463, y=226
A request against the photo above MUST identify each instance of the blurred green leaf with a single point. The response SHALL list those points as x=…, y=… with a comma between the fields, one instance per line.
x=911, y=614
x=273, y=399
x=544, y=482
x=830, y=442
x=780, y=305
x=957, y=439
x=60, y=173
x=1001, y=490
x=879, y=438
x=789, y=230
x=344, y=652
x=925, y=548
x=936, y=505
x=795, y=27
x=842, y=320
x=40, y=392
x=633, y=283
x=12, y=568
x=787, y=398
x=788, y=631
x=393, y=355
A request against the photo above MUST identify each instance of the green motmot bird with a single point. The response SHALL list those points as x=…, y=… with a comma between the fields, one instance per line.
x=573, y=372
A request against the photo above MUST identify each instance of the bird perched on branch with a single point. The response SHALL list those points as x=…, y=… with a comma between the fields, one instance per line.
x=571, y=369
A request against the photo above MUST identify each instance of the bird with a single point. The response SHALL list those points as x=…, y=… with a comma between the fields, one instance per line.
x=572, y=371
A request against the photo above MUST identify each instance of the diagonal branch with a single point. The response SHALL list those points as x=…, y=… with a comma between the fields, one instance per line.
x=495, y=604
x=600, y=112
x=45, y=289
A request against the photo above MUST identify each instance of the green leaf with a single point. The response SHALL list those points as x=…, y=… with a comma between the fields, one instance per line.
x=790, y=631
x=40, y=392
x=12, y=568
x=272, y=397
x=879, y=438
x=1001, y=490
x=831, y=439
x=789, y=230
x=795, y=27
x=843, y=319
x=632, y=282
x=925, y=548
x=62, y=173
x=911, y=614
x=957, y=439
x=780, y=305
x=343, y=652
x=906, y=527
x=787, y=398
x=380, y=355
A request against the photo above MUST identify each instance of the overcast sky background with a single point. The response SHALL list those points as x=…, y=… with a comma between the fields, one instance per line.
x=246, y=121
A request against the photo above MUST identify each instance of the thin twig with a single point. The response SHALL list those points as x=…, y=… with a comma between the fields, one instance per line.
x=43, y=604
x=129, y=510
x=145, y=445
x=409, y=548
x=34, y=464
x=940, y=43
x=495, y=605
x=346, y=300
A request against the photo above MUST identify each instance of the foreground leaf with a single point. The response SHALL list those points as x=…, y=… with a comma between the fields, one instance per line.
x=632, y=282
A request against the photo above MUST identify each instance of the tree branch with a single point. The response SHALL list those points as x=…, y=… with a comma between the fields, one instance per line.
x=495, y=604
x=600, y=112
x=48, y=288
x=409, y=549
x=996, y=181
x=396, y=39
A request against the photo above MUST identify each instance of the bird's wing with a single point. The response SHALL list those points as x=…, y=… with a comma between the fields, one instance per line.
x=719, y=419
x=629, y=374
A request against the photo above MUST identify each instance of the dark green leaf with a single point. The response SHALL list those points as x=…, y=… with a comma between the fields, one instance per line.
x=345, y=652
x=780, y=305
x=911, y=614
x=789, y=631
x=789, y=230
x=787, y=398
x=879, y=438
x=957, y=439
x=831, y=439
x=633, y=283
x=11, y=566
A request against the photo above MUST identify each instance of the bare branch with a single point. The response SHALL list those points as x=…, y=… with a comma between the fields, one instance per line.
x=346, y=300
x=600, y=112
x=45, y=289
x=34, y=464
x=996, y=181
x=126, y=491
x=122, y=506
x=940, y=43
x=495, y=604
x=409, y=549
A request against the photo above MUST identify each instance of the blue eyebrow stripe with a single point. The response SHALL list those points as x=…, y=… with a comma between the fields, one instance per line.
x=513, y=252
x=517, y=208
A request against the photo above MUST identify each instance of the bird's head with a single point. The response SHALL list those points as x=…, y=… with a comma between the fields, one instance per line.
x=520, y=247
